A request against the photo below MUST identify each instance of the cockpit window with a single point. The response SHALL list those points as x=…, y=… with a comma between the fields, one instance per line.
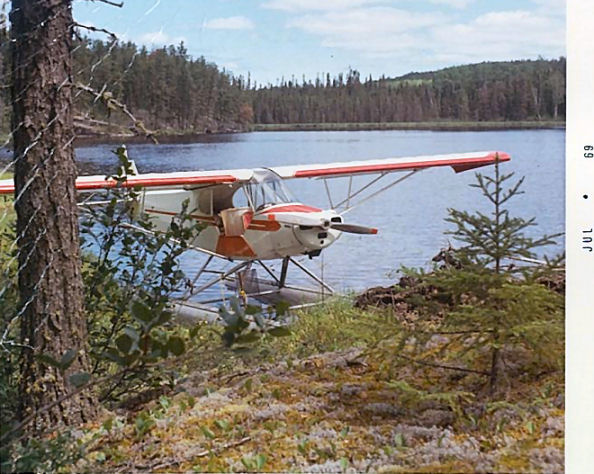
x=265, y=189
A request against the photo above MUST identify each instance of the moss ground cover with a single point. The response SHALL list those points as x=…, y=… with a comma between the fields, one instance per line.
x=324, y=400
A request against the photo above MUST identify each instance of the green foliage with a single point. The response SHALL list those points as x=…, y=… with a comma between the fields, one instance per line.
x=413, y=397
x=143, y=423
x=489, y=239
x=502, y=91
x=254, y=463
x=493, y=318
x=169, y=90
x=165, y=87
x=332, y=326
x=9, y=328
x=245, y=325
x=130, y=277
x=41, y=455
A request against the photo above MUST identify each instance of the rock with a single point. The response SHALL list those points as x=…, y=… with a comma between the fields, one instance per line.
x=433, y=417
x=351, y=389
x=383, y=409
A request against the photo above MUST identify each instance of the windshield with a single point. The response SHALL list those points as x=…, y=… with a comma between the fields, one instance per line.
x=266, y=189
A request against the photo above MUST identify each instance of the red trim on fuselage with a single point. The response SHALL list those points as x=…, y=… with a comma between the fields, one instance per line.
x=459, y=164
x=268, y=226
x=235, y=246
x=291, y=208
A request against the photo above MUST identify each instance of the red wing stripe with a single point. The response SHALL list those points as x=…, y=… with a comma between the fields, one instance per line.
x=152, y=182
x=456, y=163
x=84, y=185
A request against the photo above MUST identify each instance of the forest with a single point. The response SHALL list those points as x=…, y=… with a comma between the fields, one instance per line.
x=510, y=91
x=169, y=91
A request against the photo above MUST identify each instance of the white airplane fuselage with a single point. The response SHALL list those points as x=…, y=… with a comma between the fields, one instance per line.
x=275, y=231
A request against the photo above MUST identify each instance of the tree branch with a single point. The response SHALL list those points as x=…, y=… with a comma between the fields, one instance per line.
x=96, y=30
x=106, y=97
x=108, y=2
x=441, y=366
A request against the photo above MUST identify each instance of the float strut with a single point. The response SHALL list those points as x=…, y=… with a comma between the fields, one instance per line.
x=283, y=275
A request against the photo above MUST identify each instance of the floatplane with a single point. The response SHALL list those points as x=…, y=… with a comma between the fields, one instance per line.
x=251, y=218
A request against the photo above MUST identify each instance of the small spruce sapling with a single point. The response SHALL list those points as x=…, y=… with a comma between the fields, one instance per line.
x=491, y=310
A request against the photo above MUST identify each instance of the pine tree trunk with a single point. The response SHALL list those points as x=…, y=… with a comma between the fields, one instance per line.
x=495, y=368
x=50, y=281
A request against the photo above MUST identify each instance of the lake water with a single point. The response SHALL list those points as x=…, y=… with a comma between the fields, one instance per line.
x=409, y=216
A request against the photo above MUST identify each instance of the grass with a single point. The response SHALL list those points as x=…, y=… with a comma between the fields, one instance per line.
x=324, y=399
x=437, y=125
x=331, y=327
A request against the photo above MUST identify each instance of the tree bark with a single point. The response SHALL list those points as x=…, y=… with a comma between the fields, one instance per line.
x=50, y=280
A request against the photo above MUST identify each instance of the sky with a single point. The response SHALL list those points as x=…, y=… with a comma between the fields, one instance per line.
x=275, y=39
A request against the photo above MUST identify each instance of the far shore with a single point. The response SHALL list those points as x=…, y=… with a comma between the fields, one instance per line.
x=435, y=126
x=171, y=136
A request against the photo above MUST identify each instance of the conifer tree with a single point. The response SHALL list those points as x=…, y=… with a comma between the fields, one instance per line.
x=495, y=316
x=489, y=239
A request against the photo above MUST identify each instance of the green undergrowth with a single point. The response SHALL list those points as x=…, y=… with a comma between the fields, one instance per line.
x=333, y=326
x=327, y=398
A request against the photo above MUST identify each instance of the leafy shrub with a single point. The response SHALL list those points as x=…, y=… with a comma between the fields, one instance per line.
x=130, y=275
x=41, y=455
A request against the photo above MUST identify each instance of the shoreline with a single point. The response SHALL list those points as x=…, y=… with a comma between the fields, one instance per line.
x=429, y=126
x=193, y=137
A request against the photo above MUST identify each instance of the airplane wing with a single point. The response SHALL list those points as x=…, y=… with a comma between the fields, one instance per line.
x=150, y=180
x=459, y=162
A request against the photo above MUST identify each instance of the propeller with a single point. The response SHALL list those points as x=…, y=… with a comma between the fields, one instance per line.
x=310, y=221
x=353, y=228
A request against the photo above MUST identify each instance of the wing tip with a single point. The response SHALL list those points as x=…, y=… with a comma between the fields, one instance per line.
x=490, y=158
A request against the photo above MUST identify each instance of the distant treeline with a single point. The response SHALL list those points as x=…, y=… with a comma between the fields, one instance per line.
x=168, y=90
x=165, y=88
x=518, y=90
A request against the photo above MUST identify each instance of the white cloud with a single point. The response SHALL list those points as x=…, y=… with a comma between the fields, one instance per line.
x=154, y=37
x=320, y=5
x=386, y=32
x=501, y=35
x=373, y=31
x=363, y=22
x=453, y=3
x=342, y=5
x=159, y=38
x=229, y=23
